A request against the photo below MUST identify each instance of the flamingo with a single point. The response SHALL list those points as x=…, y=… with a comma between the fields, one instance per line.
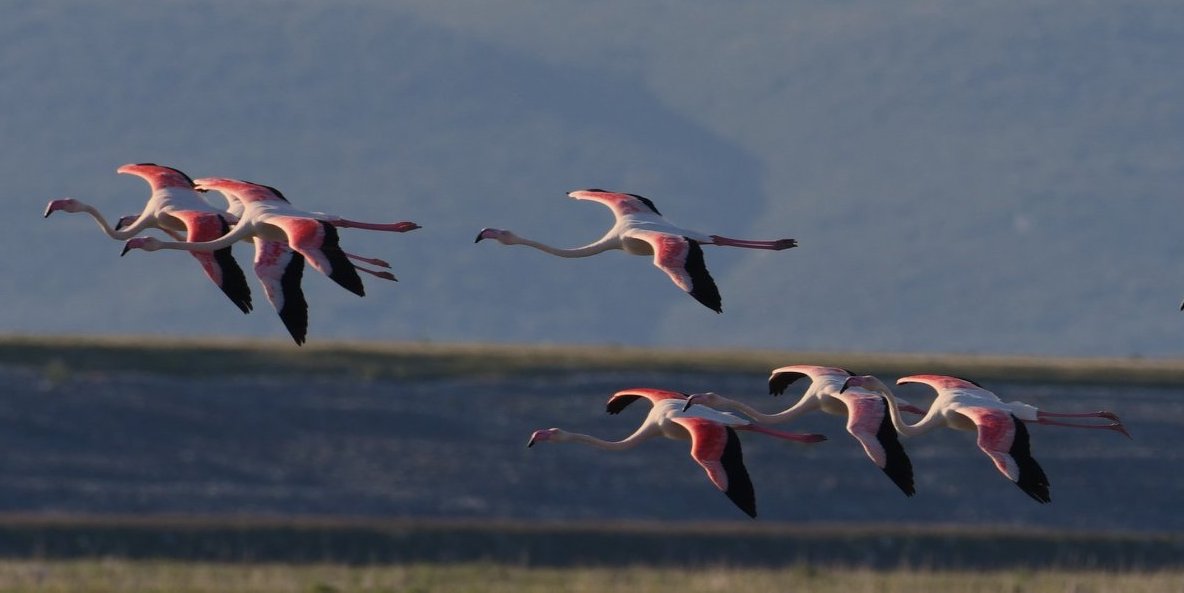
x=280, y=271
x=267, y=214
x=714, y=444
x=1002, y=434
x=641, y=230
x=175, y=206
x=866, y=412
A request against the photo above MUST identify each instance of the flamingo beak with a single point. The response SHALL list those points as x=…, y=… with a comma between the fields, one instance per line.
x=480, y=235
x=846, y=384
x=690, y=402
x=126, y=248
x=530, y=443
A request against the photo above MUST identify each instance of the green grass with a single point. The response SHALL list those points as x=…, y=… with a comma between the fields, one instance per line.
x=122, y=576
x=58, y=357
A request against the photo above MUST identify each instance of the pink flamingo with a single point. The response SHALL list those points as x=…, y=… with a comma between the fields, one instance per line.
x=1002, y=435
x=641, y=230
x=175, y=206
x=267, y=214
x=866, y=412
x=714, y=444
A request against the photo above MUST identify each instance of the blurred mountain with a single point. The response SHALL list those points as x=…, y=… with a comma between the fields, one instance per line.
x=978, y=177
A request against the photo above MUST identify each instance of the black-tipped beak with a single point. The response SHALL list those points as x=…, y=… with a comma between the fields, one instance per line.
x=125, y=250
x=530, y=443
x=690, y=402
x=49, y=210
x=846, y=384
x=479, y=237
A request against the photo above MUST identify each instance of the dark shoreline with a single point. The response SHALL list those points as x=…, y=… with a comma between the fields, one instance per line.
x=375, y=360
x=386, y=541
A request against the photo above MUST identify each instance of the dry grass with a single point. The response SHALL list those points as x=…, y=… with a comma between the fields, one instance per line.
x=131, y=577
x=57, y=355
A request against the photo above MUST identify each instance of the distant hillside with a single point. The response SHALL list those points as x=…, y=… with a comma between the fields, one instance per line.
x=971, y=178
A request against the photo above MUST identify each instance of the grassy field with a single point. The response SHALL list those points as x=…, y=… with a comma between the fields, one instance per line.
x=99, y=576
x=64, y=355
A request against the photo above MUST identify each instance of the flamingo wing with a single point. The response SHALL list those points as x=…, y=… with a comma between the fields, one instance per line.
x=717, y=449
x=781, y=378
x=868, y=421
x=1004, y=439
x=280, y=270
x=620, y=203
x=682, y=259
x=318, y=242
x=219, y=266
x=621, y=399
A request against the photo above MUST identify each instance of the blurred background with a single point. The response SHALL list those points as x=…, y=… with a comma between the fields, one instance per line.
x=971, y=177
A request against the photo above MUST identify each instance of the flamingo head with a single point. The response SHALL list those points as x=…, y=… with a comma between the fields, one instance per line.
x=709, y=399
x=125, y=221
x=158, y=176
x=868, y=382
x=546, y=434
x=63, y=204
x=499, y=235
x=145, y=243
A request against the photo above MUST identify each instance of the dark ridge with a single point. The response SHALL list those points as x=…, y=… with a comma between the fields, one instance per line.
x=649, y=204
x=341, y=270
x=294, y=312
x=898, y=466
x=739, y=484
x=234, y=281
x=702, y=285
x=1032, y=479
x=779, y=382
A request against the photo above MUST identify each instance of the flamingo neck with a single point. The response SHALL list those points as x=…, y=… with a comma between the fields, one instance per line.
x=103, y=224
x=922, y=426
x=621, y=445
x=585, y=251
x=732, y=405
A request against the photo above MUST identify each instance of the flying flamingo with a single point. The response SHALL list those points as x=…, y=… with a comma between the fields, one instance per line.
x=280, y=271
x=866, y=412
x=1002, y=434
x=175, y=206
x=268, y=214
x=714, y=444
x=641, y=230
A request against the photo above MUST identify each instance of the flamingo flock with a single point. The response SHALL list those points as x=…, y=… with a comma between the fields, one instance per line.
x=286, y=237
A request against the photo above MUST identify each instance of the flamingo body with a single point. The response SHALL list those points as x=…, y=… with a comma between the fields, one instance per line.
x=175, y=206
x=714, y=443
x=1002, y=434
x=866, y=412
x=267, y=214
x=641, y=230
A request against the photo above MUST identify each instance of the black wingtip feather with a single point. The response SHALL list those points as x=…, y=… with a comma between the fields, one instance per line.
x=1032, y=479
x=779, y=382
x=740, y=489
x=342, y=270
x=648, y=203
x=294, y=313
x=234, y=281
x=703, y=287
x=620, y=402
x=898, y=467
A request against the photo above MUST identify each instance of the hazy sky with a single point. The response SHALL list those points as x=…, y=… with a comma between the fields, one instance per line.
x=969, y=177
